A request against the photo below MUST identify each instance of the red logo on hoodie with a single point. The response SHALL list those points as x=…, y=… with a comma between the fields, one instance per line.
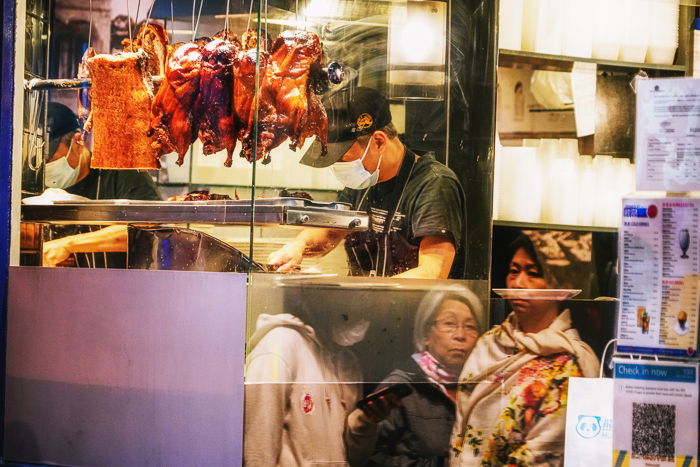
x=307, y=403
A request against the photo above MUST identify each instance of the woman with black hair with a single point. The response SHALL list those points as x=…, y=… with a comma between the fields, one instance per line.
x=511, y=404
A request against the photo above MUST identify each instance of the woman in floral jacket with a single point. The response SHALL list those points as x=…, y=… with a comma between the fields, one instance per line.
x=511, y=406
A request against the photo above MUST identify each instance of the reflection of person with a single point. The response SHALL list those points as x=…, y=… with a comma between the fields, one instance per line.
x=301, y=382
x=511, y=407
x=416, y=431
x=68, y=167
x=416, y=204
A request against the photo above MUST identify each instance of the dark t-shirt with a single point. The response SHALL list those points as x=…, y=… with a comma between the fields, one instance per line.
x=113, y=184
x=117, y=184
x=432, y=204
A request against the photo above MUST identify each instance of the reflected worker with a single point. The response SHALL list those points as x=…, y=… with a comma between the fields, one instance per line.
x=68, y=168
x=415, y=204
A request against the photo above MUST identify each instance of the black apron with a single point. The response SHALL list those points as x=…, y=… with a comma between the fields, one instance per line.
x=383, y=251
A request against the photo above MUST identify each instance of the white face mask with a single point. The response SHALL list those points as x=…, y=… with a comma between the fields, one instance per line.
x=346, y=335
x=59, y=173
x=354, y=175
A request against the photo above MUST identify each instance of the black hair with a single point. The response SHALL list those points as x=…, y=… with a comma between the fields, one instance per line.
x=524, y=242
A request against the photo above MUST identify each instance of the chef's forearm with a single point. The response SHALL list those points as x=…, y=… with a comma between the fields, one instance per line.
x=318, y=242
x=110, y=239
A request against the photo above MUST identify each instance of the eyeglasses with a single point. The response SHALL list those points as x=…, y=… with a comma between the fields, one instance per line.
x=450, y=327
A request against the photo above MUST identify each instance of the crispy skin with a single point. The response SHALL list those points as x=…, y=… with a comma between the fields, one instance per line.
x=120, y=116
x=84, y=92
x=227, y=35
x=250, y=40
x=174, y=122
x=214, y=106
x=295, y=111
x=287, y=105
x=244, y=90
x=153, y=39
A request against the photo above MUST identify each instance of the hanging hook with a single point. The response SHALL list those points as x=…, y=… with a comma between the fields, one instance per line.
x=34, y=160
x=641, y=74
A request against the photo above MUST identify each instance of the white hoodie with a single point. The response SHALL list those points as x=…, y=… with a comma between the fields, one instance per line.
x=297, y=395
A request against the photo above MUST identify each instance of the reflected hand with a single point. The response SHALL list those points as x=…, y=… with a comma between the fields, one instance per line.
x=288, y=258
x=55, y=252
x=379, y=409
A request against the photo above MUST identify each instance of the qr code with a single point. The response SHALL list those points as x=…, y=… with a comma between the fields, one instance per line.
x=654, y=431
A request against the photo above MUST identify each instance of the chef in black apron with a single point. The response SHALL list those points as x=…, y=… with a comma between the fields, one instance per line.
x=415, y=204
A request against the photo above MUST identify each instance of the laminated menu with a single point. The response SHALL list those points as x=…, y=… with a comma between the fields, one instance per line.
x=667, y=134
x=655, y=414
x=659, y=272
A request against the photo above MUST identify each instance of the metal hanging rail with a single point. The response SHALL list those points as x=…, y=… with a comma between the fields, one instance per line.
x=335, y=71
x=73, y=83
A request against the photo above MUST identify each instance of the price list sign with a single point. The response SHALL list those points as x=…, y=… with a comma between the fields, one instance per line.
x=659, y=274
x=667, y=134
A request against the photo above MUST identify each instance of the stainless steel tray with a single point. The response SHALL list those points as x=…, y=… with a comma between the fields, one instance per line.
x=265, y=211
x=286, y=201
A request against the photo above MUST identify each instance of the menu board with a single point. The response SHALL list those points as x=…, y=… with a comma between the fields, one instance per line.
x=667, y=134
x=659, y=272
x=655, y=414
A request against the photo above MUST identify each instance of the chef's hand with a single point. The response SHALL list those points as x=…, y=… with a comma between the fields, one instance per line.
x=56, y=252
x=379, y=409
x=288, y=258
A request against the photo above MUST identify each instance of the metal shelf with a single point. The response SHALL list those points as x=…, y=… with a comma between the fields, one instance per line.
x=269, y=211
x=509, y=58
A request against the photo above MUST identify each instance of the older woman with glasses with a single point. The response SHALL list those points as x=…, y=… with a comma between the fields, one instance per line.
x=511, y=406
x=416, y=430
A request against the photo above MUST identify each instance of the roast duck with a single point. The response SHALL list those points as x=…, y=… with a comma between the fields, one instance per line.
x=207, y=91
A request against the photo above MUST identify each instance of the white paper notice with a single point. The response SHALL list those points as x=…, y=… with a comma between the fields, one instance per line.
x=667, y=134
x=655, y=414
x=589, y=422
x=659, y=271
x=583, y=89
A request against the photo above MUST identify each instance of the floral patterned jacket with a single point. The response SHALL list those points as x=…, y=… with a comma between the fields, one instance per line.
x=511, y=407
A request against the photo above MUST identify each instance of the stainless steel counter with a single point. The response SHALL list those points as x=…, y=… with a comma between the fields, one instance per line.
x=275, y=211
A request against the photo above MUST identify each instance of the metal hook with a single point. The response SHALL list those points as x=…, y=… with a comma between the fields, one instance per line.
x=641, y=74
x=34, y=160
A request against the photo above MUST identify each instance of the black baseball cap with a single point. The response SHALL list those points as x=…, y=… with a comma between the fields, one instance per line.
x=352, y=112
x=60, y=120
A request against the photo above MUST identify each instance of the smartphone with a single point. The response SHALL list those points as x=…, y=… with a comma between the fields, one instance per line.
x=401, y=390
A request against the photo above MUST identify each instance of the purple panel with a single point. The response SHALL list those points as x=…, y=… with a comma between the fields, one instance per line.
x=7, y=90
x=125, y=367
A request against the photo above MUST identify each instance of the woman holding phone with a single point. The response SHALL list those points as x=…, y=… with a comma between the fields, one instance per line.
x=416, y=430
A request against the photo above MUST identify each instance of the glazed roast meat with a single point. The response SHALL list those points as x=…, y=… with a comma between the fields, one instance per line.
x=298, y=112
x=214, y=105
x=174, y=124
x=288, y=107
x=153, y=39
x=244, y=90
x=212, y=88
x=120, y=112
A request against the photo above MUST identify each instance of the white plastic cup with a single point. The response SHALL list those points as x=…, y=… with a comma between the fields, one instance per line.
x=519, y=195
x=606, y=31
x=577, y=37
x=510, y=24
x=661, y=54
x=636, y=24
x=663, y=40
x=587, y=190
x=542, y=26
